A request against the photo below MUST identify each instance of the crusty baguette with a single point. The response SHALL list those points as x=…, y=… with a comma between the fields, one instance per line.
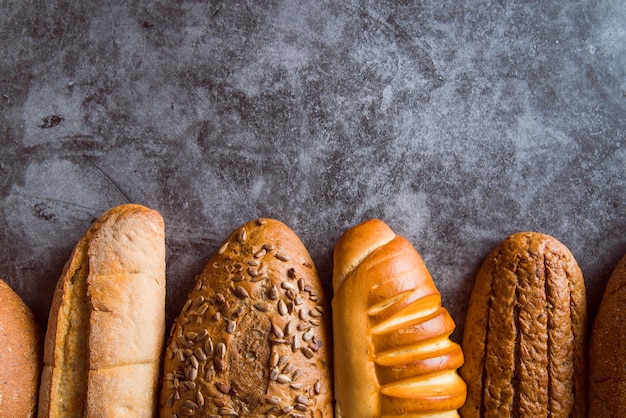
x=105, y=332
x=607, y=350
x=525, y=332
x=253, y=337
x=21, y=349
x=392, y=352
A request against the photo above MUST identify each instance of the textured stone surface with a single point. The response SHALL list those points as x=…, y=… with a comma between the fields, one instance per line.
x=456, y=124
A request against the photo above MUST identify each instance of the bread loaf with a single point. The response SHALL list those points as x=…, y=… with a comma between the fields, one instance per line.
x=21, y=348
x=525, y=332
x=607, y=350
x=253, y=338
x=106, y=329
x=392, y=352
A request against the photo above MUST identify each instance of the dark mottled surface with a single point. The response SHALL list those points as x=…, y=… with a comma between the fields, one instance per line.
x=456, y=124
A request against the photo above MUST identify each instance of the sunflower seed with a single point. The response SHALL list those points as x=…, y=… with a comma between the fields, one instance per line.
x=261, y=253
x=202, y=335
x=227, y=411
x=282, y=308
x=308, y=353
x=277, y=331
x=191, y=404
x=296, y=386
x=288, y=286
x=198, y=301
x=315, y=322
x=222, y=248
x=274, y=359
x=273, y=293
x=307, y=335
x=286, y=409
x=289, y=328
x=220, y=365
x=315, y=313
x=282, y=257
x=317, y=387
x=202, y=309
x=241, y=292
x=296, y=375
x=194, y=362
x=301, y=284
x=288, y=368
x=209, y=375
x=295, y=344
x=242, y=235
x=253, y=271
x=238, y=278
x=230, y=326
x=298, y=300
x=303, y=314
x=255, y=263
x=220, y=298
x=208, y=346
x=199, y=399
x=186, y=412
x=283, y=378
x=262, y=307
x=268, y=247
x=192, y=374
x=301, y=407
x=170, y=401
x=274, y=373
x=222, y=387
x=260, y=222
x=221, y=350
x=273, y=400
x=291, y=273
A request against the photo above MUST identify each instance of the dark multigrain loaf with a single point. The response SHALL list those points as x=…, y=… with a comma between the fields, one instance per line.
x=525, y=332
x=253, y=338
x=607, y=350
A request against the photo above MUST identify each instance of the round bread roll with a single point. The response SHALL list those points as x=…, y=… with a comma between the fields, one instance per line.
x=21, y=340
x=525, y=333
x=607, y=350
x=253, y=338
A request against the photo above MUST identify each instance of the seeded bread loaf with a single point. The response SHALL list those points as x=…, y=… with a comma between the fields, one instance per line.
x=252, y=339
x=392, y=352
x=525, y=332
x=607, y=350
x=21, y=340
x=106, y=327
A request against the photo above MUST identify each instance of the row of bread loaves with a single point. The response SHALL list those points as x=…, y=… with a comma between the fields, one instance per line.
x=255, y=337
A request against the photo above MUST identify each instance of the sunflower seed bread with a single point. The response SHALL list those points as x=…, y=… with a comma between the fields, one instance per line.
x=21, y=340
x=106, y=328
x=393, y=354
x=525, y=332
x=253, y=338
x=607, y=350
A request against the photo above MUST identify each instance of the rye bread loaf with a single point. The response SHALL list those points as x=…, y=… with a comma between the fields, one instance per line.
x=393, y=354
x=525, y=333
x=21, y=349
x=253, y=338
x=607, y=350
x=106, y=327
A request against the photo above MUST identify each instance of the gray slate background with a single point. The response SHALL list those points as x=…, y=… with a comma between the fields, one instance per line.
x=457, y=123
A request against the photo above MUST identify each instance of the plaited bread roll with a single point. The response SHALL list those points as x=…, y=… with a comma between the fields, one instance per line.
x=607, y=350
x=525, y=332
x=106, y=327
x=253, y=338
x=392, y=352
x=21, y=342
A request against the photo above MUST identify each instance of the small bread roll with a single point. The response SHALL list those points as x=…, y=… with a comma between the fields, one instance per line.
x=21, y=340
x=106, y=327
x=607, y=350
x=253, y=338
x=525, y=332
x=392, y=352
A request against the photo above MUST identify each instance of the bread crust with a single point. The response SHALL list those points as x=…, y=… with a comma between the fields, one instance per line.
x=21, y=340
x=392, y=352
x=607, y=350
x=525, y=332
x=253, y=338
x=106, y=327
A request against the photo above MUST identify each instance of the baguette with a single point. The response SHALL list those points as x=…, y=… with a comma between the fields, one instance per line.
x=525, y=332
x=392, y=352
x=607, y=350
x=253, y=338
x=21, y=340
x=106, y=327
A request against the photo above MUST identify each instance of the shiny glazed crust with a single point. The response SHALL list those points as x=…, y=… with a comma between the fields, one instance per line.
x=392, y=352
x=107, y=322
x=607, y=350
x=253, y=337
x=21, y=340
x=525, y=332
